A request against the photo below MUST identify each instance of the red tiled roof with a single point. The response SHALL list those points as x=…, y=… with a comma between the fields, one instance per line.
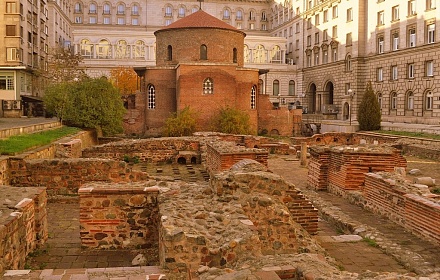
x=200, y=19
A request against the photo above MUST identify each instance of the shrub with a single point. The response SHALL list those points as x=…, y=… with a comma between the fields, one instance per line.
x=369, y=116
x=182, y=123
x=231, y=120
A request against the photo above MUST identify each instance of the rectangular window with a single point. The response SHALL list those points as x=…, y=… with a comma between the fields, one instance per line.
x=412, y=37
x=335, y=11
x=297, y=27
x=349, y=14
x=380, y=74
x=263, y=26
x=429, y=68
x=121, y=21
x=10, y=30
x=291, y=31
x=380, y=18
x=134, y=21
x=395, y=41
x=252, y=26
x=430, y=4
x=11, y=7
x=395, y=13
x=309, y=60
x=13, y=54
x=6, y=82
x=411, y=71
x=325, y=35
x=324, y=57
x=316, y=38
x=380, y=45
x=394, y=73
x=309, y=40
x=412, y=7
x=106, y=20
x=297, y=45
x=335, y=31
x=317, y=19
x=317, y=58
x=92, y=20
x=348, y=39
x=309, y=23
x=325, y=16
x=78, y=19
x=335, y=54
x=431, y=33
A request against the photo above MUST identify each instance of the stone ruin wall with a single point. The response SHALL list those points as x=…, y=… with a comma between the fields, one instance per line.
x=23, y=224
x=65, y=176
x=404, y=203
x=119, y=216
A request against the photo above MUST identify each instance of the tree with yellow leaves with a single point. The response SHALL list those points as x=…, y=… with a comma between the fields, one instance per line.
x=125, y=79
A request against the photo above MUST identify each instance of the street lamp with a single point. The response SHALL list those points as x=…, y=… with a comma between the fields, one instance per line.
x=351, y=93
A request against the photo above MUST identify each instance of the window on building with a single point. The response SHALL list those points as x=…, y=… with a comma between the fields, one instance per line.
x=135, y=10
x=194, y=9
x=86, y=48
x=412, y=37
x=92, y=8
x=431, y=33
x=253, y=97
x=316, y=38
x=395, y=42
x=297, y=27
x=410, y=100
x=234, y=55
x=335, y=54
x=395, y=13
x=263, y=26
x=6, y=82
x=106, y=9
x=78, y=19
x=168, y=22
x=309, y=23
x=380, y=18
x=121, y=20
x=412, y=8
x=78, y=8
x=348, y=63
x=349, y=14
x=309, y=40
x=380, y=74
x=11, y=7
x=121, y=50
x=316, y=19
x=251, y=15
x=291, y=87
x=276, y=88
x=393, y=101
x=379, y=99
x=335, y=11
x=429, y=100
x=239, y=15
x=13, y=54
x=430, y=4
x=290, y=31
x=324, y=56
x=325, y=35
x=208, y=86
x=325, y=16
x=317, y=58
x=297, y=44
x=168, y=11
x=380, y=44
x=263, y=16
x=411, y=71
x=226, y=14
x=106, y=20
x=139, y=49
x=335, y=31
x=394, y=72
x=348, y=39
x=203, y=52
x=134, y=21
x=181, y=11
x=10, y=30
x=308, y=60
x=429, y=68
x=170, y=53
x=92, y=20
x=121, y=9
x=151, y=97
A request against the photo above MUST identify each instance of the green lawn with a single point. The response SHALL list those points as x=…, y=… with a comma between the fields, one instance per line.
x=411, y=134
x=23, y=142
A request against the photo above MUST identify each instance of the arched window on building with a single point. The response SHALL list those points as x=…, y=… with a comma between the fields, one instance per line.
x=151, y=97
x=104, y=49
x=203, y=52
x=253, y=97
x=106, y=9
x=393, y=101
x=92, y=8
x=208, y=86
x=168, y=11
x=276, y=87
x=291, y=87
x=226, y=13
x=181, y=11
x=170, y=53
x=239, y=15
x=78, y=8
x=121, y=9
x=410, y=100
x=234, y=55
x=86, y=48
x=429, y=100
x=135, y=10
x=275, y=54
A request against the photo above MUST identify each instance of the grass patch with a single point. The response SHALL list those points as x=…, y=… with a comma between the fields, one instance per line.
x=410, y=134
x=21, y=143
x=371, y=242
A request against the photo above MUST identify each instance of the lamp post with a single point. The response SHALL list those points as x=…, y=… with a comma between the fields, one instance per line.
x=351, y=93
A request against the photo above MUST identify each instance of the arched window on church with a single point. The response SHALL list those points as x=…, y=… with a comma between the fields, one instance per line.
x=203, y=52
x=254, y=97
x=208, y=86
x=170, y=53
x=151, y=97
x=234, y=55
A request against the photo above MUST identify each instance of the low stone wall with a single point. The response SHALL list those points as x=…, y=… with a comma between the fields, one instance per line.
x=119, y=216
x=65, y=176
x=5, y=133
x=391, y=196
x=23, y=224
x=163, y=150
x=346, y=165
x=221, y=156
x=328, y=138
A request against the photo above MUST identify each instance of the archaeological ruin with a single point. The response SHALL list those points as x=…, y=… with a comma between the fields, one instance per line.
x=235, y=219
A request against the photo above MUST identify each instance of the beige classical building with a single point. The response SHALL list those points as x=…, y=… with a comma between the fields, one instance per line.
x=311, y=53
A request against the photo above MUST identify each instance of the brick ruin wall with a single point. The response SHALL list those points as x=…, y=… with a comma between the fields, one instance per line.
x=23, y=224
x=391, y=196
x=119, y=216
x=65, y=176
x=342, y=168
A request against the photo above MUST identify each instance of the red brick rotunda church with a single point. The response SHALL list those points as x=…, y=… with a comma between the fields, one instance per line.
x=200, y=64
